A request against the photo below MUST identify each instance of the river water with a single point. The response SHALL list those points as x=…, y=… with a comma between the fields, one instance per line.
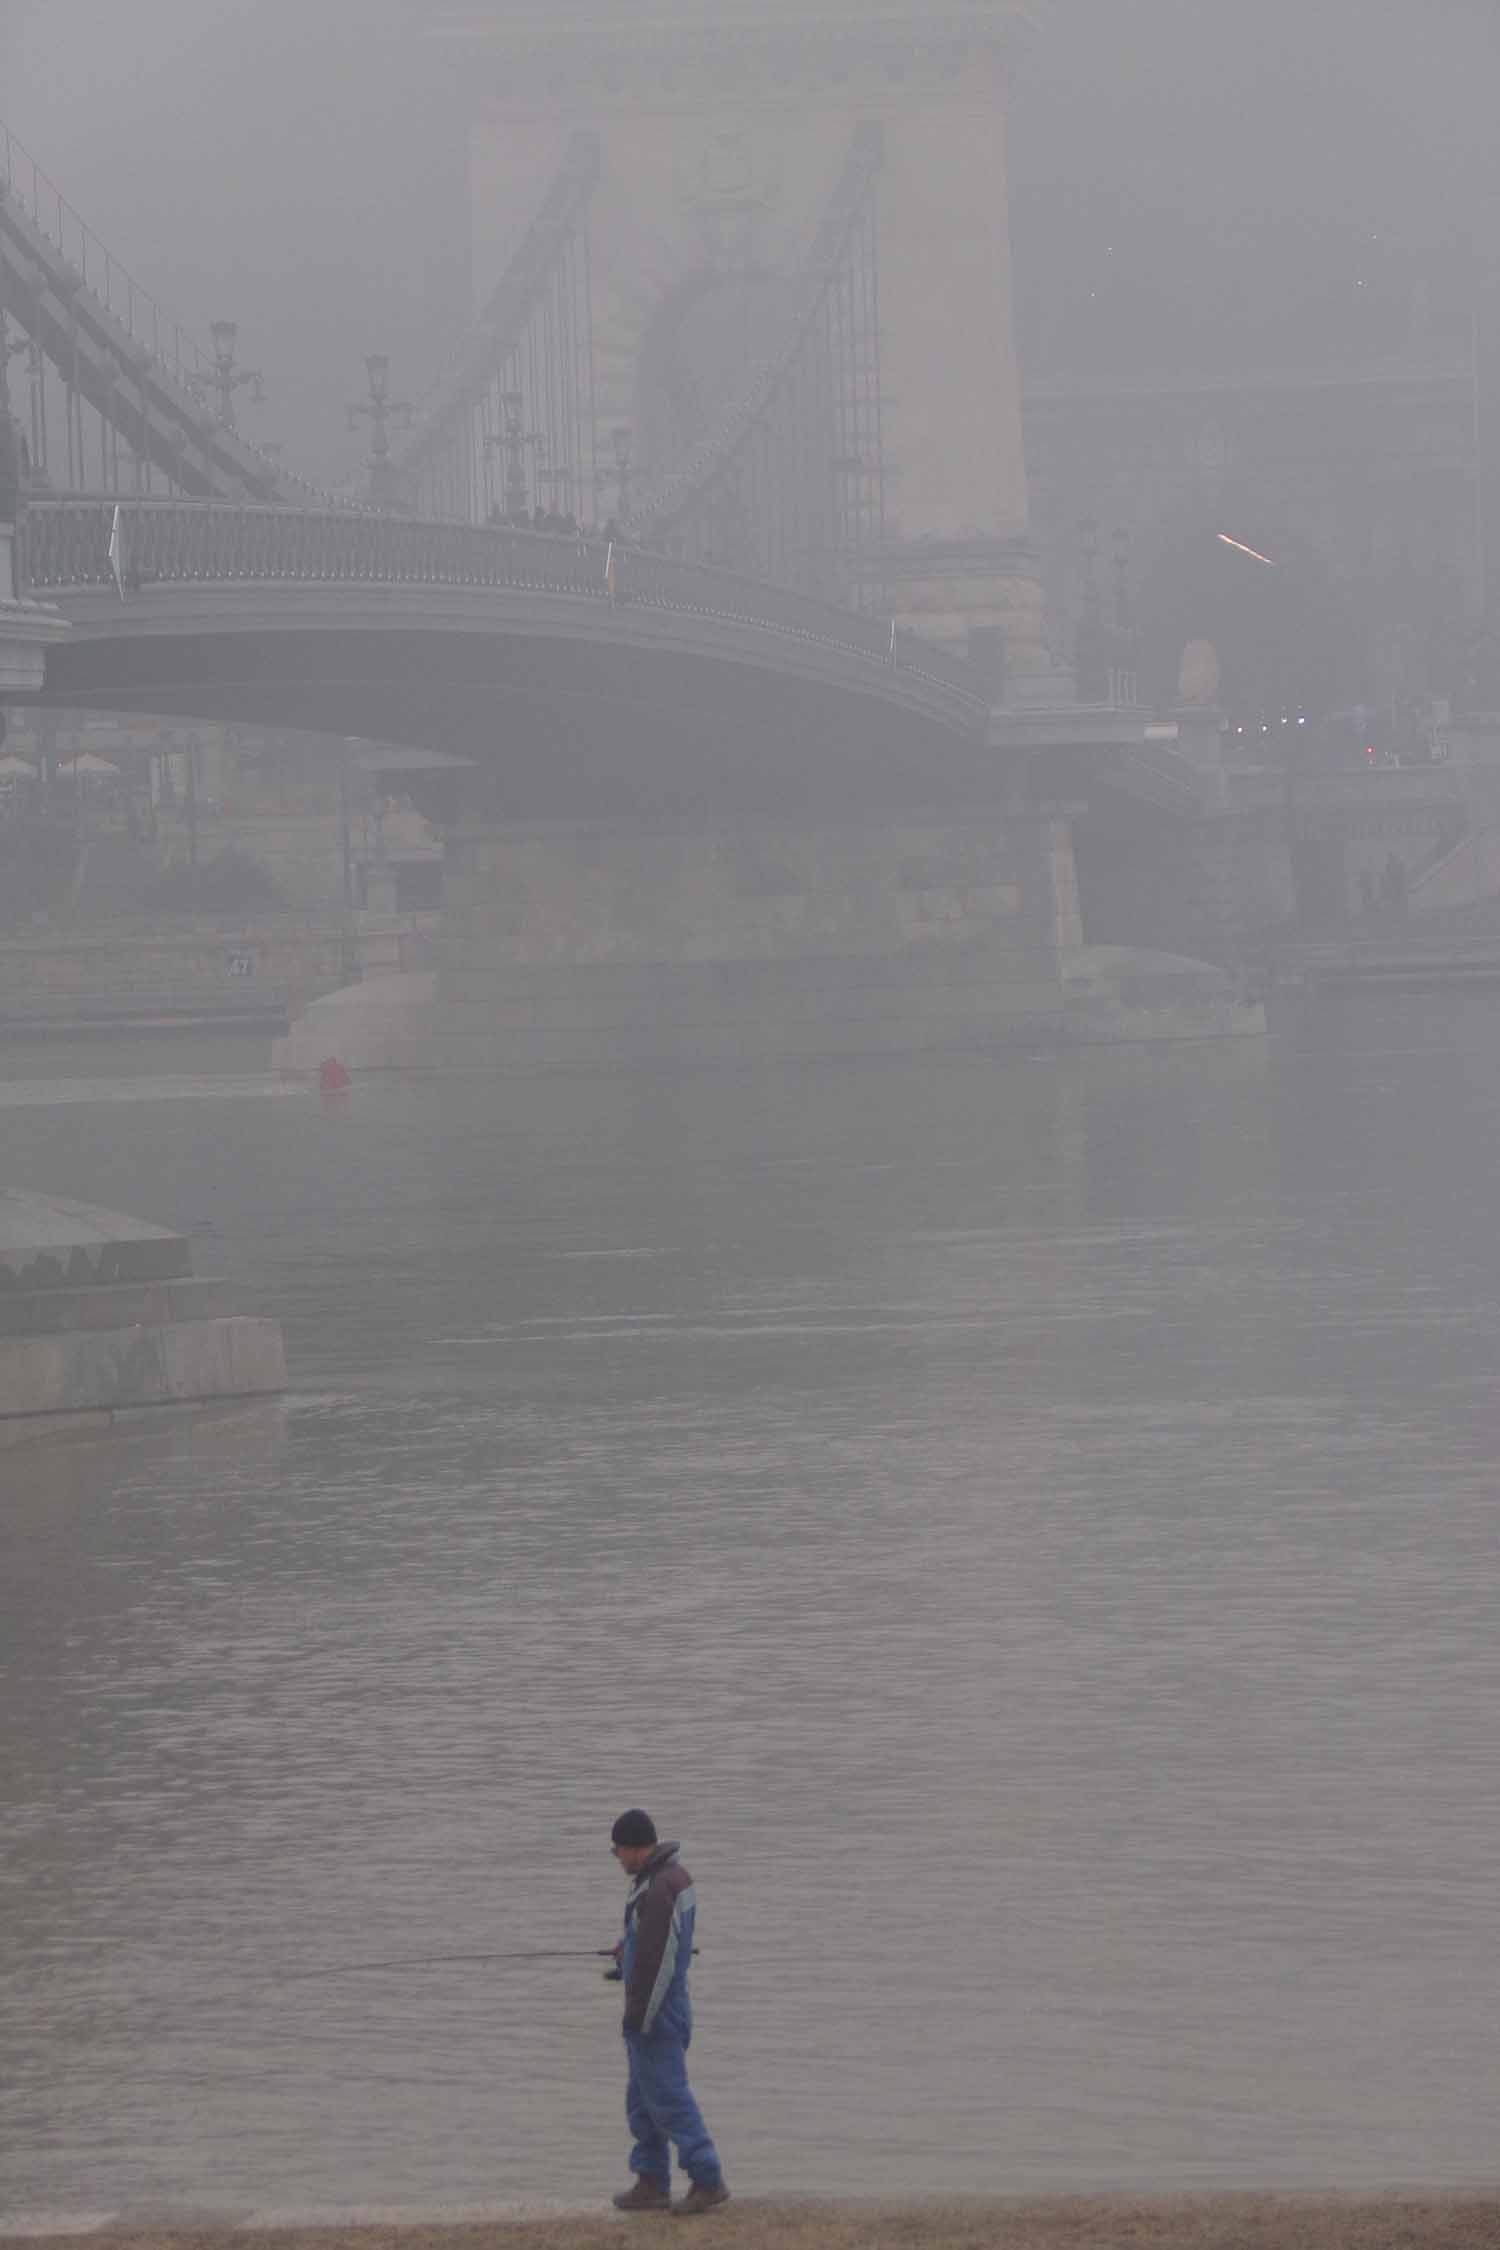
x=1030, y=1529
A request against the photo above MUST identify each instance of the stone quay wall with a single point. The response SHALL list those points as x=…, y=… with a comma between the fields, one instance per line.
x=97, y=1373
x=263, y=971
x=575, y=945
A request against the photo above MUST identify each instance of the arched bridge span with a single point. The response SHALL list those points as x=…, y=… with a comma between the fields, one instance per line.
x=584, y=679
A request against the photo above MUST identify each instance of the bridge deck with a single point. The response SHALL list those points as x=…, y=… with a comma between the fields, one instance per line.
x=73, y=545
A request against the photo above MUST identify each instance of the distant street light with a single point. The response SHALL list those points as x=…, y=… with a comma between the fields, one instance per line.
x=1253, y=552
x=380, y=410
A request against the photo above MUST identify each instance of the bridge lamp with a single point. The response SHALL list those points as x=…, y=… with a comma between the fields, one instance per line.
x=512, y=407
x=622, y=440
x=379, y=409
x=228, y=376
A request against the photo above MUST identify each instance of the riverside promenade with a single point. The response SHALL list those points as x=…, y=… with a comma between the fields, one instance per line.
x=1389, y=2221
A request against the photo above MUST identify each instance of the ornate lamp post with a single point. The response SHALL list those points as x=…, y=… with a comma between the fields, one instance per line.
x=1091, y=639
x=1123, y=686
x=11, y=483
x=227, y=376
x=380, y=410
x=11, y=347
x=622, y=440
x=22, y=346
x=26, y=628
x=514, y=440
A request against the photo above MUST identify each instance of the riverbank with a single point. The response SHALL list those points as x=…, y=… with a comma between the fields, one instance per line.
x=1393, y=2221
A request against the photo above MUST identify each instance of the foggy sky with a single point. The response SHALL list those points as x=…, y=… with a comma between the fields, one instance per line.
x=1191, y=177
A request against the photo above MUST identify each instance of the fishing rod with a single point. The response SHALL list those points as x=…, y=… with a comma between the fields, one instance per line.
x=435, y=1960
x=443, y=1960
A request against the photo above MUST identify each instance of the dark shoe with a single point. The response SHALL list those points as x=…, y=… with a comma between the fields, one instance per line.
x=700, y=2199
x=644, y=2196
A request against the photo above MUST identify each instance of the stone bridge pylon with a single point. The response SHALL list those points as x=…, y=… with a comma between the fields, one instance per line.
x=799, y=284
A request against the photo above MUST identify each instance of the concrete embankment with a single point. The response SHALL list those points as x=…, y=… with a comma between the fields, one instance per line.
x=1392, y=2221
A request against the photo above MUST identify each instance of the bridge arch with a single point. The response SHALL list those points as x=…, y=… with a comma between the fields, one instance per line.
x=586, y=678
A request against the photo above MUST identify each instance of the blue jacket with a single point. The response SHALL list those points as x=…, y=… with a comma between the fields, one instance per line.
x=660, y=1915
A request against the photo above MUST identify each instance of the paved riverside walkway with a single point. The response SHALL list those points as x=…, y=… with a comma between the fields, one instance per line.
x=1392, y=2221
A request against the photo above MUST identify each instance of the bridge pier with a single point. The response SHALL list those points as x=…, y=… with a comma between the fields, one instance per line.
x=1204, y=880
x=594, y=944
x=27, y=630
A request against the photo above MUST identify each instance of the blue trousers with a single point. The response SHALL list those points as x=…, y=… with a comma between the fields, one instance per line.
x=660, y=2109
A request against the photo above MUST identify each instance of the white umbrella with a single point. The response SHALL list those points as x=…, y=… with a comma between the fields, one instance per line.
x=86, y=764
x=12, y=767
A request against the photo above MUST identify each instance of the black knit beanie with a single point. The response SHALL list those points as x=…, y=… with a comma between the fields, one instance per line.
x=633, y=1828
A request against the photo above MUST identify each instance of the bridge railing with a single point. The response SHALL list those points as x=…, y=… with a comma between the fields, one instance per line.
x=71, y=543
x=100, y=271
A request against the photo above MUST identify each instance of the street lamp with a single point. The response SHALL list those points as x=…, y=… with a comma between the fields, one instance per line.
x=1124, y=621
x=10, y=348
x=511, y=405
x=13, y=465
x=514, y=441
x=1090, y=647
x=22, y=346
x=623, y=441
x=226, y=375
x=380, y=410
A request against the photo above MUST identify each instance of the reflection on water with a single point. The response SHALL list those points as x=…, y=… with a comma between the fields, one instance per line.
x=1029, y=1528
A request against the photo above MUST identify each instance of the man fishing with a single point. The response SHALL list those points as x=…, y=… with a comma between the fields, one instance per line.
x=653, y=1957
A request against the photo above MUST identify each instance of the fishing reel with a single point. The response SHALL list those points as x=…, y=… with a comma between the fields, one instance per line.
x=616, y=1975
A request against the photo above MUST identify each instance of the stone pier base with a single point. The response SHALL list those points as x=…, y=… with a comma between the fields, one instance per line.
x=92, y=1375
x=586, y=945
x=102, y=1315
x=1203, y=887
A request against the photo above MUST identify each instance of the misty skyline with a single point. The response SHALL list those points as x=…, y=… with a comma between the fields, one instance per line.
x=1196, y=186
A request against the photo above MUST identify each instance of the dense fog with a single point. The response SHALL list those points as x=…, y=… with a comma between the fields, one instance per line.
x=1197, y=184
x=748, y=1103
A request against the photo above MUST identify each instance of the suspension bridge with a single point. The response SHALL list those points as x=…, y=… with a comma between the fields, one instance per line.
x=200, y=578
x=711, y=538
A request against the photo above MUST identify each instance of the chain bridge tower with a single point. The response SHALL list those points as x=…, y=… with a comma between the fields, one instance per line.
x=798, y=297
